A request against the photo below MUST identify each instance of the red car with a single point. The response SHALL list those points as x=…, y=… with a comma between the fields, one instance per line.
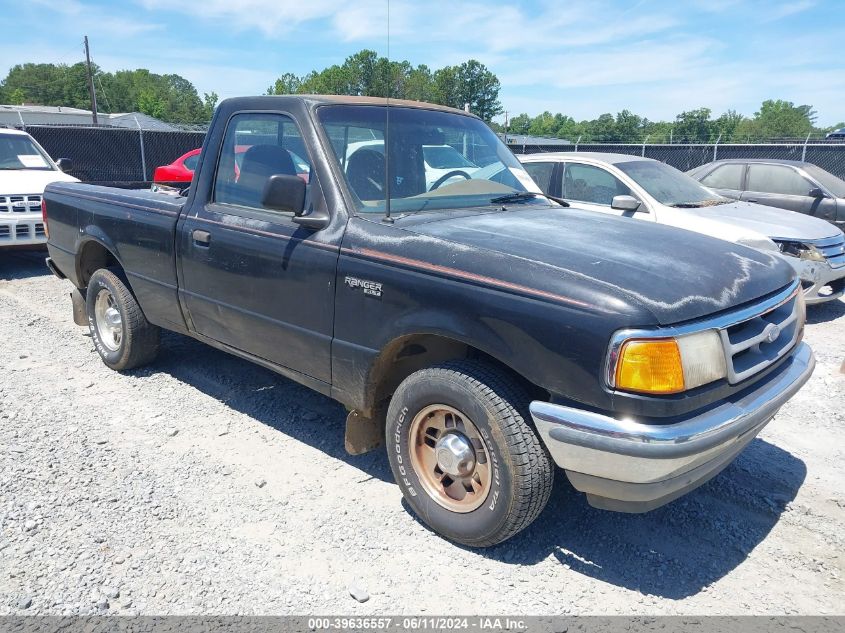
x=182, y=169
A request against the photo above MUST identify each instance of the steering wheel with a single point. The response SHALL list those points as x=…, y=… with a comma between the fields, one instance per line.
x=447, y=176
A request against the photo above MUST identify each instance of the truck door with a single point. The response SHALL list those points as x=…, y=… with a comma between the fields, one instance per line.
x=252, y=278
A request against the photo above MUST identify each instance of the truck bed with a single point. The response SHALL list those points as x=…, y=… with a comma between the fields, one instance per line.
x=138, y=226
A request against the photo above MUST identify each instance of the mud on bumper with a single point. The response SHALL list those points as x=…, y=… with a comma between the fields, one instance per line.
x=632, y=465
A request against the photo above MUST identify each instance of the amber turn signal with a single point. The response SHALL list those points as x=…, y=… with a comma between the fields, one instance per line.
x=650, y=366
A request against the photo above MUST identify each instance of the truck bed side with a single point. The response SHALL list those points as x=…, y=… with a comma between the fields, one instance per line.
x=86, y=222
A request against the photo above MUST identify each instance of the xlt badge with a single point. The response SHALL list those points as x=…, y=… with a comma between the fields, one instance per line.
x=371, y=288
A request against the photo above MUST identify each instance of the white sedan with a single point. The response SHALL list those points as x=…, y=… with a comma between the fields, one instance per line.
x=646, y=189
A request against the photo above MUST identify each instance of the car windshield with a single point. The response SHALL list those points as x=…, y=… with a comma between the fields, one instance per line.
x=356, y=133
x=20, y=152
x=827, y=180
x=669, y=186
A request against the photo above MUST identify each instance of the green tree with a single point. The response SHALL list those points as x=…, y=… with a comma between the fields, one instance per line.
x=694, y=126
x=783, y=119
x=287, y=84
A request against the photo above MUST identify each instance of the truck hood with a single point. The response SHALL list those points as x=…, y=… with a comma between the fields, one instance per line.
x=673, y=274
x=29, y=181
x=771, y=222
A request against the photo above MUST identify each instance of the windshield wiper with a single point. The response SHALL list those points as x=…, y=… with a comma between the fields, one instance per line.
x=520, y=196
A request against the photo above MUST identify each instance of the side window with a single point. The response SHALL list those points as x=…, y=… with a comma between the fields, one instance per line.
x=725, y=177
x=777, y=179
x=541, y=173
x=191, y=162
x=585, y=183
x=256, y=147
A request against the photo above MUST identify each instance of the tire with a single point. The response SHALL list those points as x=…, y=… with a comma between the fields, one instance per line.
x=128, y=340
x=519, y=474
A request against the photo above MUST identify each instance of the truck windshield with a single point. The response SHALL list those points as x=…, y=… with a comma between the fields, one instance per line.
x=434, y=159
x=669, y=186
x=19, y=152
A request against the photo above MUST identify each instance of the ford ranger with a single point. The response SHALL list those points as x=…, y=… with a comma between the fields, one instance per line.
x=479, y=330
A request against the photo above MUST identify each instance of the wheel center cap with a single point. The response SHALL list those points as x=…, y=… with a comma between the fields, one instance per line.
x=113, y=317
x=455, y=455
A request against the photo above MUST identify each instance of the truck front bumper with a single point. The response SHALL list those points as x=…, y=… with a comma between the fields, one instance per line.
x=632, y=465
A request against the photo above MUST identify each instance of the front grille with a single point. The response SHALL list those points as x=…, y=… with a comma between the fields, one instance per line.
x=833, y=249
x=20, y=204
x=39, y=230
x=754, y=343
x=4, y=231
x=22, y=231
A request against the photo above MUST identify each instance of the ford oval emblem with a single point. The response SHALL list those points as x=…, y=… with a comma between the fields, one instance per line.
x=771, y=333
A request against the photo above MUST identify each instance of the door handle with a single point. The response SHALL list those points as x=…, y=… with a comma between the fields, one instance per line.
x=752, y=200
x=201, y=238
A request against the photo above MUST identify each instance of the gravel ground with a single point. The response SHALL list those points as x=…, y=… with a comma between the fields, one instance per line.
x=205, y=484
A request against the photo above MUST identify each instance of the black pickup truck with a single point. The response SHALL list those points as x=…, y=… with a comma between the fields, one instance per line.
x=398, y=258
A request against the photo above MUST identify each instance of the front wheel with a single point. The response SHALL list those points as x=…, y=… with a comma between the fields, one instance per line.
x=122, y=335
x=461, y=450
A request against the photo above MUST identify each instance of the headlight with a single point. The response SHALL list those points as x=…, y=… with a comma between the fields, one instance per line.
x=760, y=243
x=802, y=251
x=670, y=365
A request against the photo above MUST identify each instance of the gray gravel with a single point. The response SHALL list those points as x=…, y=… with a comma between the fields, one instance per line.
x=204, y=484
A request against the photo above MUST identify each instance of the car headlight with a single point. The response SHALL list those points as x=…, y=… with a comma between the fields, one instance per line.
x=802, y=251
x=760, y=243
x=669, y=365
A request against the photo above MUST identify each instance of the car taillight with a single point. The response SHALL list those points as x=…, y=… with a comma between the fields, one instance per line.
x=44, y=216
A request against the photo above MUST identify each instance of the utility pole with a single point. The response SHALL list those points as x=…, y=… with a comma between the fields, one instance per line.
x=91, y=90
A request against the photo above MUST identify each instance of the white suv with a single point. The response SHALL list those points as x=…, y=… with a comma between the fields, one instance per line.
x=25, y=169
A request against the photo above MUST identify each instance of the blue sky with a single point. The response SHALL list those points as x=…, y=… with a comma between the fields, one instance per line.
x=581, y=58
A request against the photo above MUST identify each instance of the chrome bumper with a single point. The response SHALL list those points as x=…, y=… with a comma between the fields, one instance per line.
x=635, y=466
x=819, y=274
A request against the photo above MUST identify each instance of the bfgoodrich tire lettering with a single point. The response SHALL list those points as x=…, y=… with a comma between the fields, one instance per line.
x=520, y=470
x=122, y=335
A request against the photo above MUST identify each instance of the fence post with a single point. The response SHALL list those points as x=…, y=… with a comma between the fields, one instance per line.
x=576, y=142
x=143, y=157
x=804, y=150
x=716, y=146
x=644, y=142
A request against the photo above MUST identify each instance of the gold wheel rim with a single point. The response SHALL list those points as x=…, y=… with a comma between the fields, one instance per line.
x=450, y=458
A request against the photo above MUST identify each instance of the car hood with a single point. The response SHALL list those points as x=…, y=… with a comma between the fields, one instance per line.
x=29, y=181
x=605, y=260
x=769, y=221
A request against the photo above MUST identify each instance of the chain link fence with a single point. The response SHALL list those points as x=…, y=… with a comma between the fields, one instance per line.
x=110, y=154
x=826, y=154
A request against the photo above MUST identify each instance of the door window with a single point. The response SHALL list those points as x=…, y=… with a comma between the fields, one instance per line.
x=725, y=177
x=542, y=174
x=256, y=147
x=777, y=179
x=586, y=183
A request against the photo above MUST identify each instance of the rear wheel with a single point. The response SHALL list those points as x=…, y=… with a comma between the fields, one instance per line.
x=122, y=335
x=464, y=455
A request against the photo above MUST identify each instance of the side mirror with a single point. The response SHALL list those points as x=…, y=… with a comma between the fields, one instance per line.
x=284, y=193
x=65, y=164
x=625, y=203
x=816, y=192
